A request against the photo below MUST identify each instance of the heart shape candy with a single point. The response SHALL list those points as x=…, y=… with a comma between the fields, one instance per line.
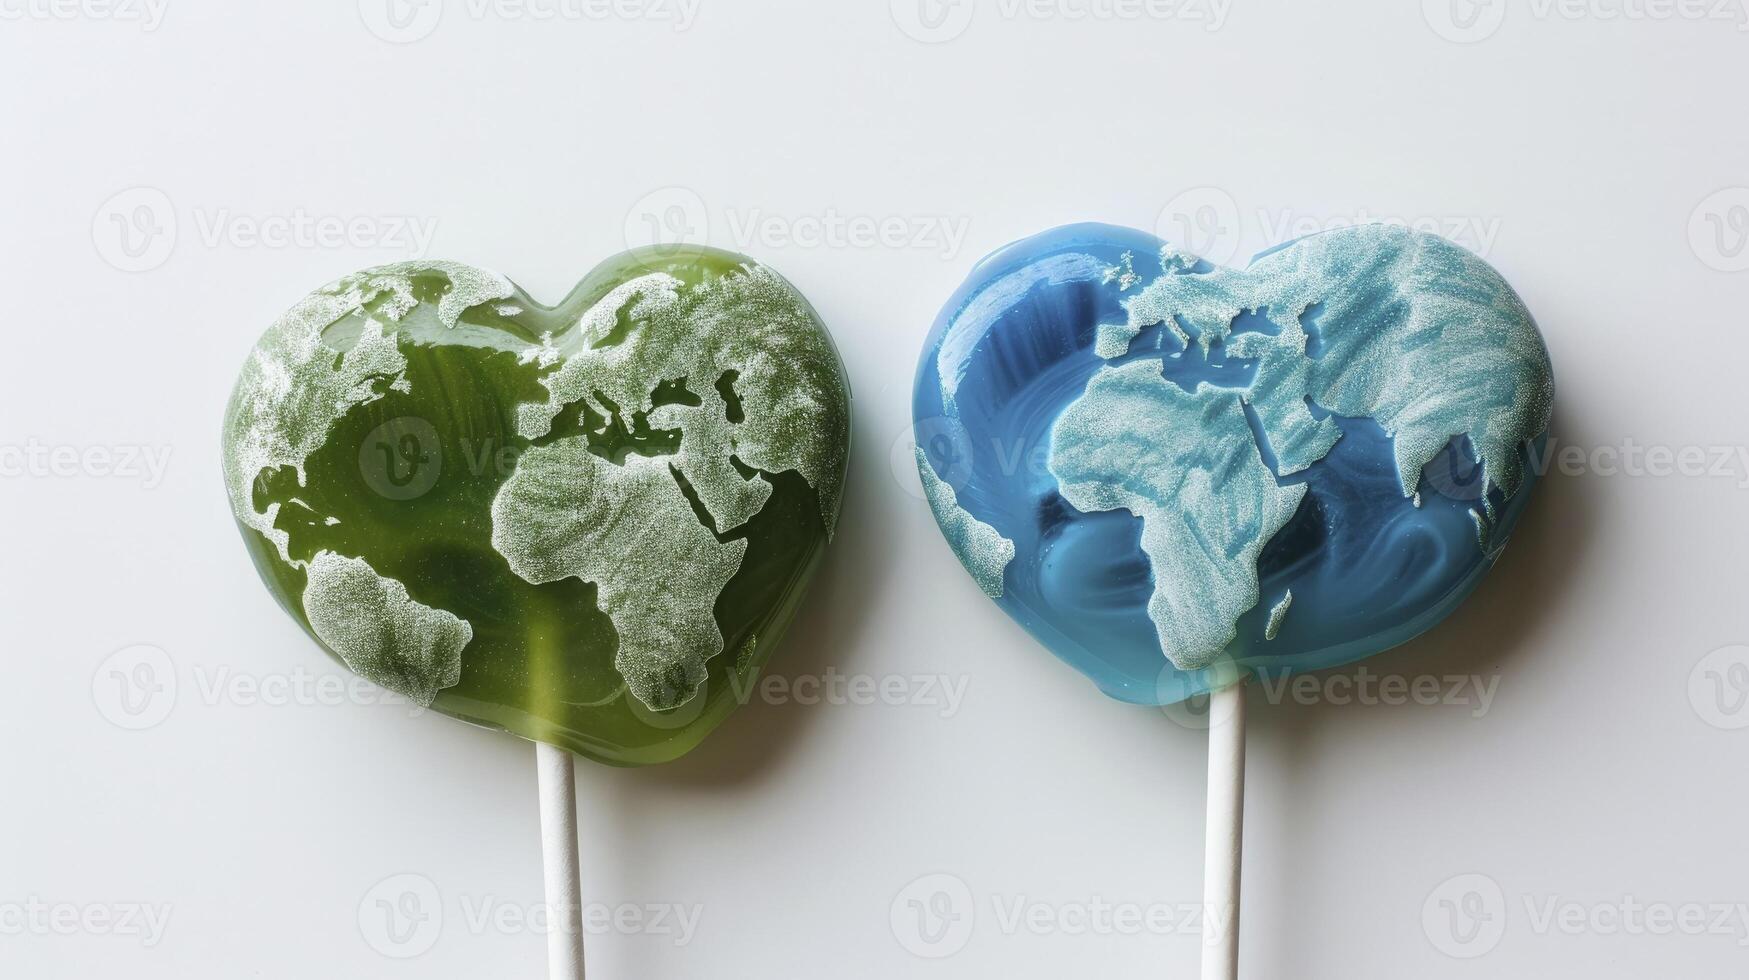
x=588, y=524
x=1171, y=473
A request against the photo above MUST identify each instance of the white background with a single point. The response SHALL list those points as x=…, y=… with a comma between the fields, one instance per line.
x=1582, y=149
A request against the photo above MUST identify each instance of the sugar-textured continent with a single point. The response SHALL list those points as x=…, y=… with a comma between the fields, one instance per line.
x=749, y=326
x=981, y=548
x=566, y=512
x=1185, y=463
x=1417, y=334
x=380, y=632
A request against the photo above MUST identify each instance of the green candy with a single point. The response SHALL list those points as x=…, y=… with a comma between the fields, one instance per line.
x=588, y=524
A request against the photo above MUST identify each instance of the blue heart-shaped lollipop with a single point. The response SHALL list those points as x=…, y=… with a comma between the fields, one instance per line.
x=1168, y=471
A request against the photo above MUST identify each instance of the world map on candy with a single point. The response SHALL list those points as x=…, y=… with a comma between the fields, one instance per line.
x=587, y=524
x=1169, y=472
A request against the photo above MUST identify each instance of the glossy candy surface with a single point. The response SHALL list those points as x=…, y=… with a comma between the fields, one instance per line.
x=588, y=524
x=1170, y=472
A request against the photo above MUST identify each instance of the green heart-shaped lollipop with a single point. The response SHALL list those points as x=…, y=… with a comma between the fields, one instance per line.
x=587, y=524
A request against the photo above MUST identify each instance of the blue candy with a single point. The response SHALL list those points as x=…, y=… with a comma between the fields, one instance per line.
x=1172, y=473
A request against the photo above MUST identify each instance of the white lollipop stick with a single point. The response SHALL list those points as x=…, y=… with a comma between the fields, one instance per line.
x=558, y=834
x=1226, y=834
